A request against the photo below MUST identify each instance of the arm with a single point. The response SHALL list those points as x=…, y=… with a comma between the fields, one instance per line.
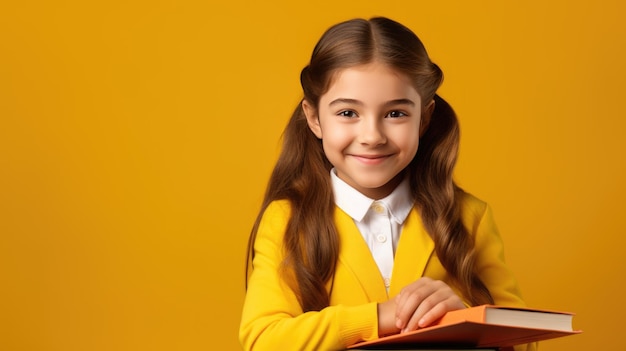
x=272, y=318
x=429, y=299
x=490, y=263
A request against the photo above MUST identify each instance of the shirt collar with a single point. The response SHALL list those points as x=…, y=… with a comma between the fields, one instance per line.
x=356, y=205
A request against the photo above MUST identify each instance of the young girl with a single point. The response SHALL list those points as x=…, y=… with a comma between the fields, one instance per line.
x=363, y=232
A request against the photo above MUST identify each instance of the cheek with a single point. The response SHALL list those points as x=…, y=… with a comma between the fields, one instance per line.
x=407, y=139
x=336, y=138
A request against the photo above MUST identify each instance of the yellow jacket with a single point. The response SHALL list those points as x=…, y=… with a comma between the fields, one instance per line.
x=273, y=320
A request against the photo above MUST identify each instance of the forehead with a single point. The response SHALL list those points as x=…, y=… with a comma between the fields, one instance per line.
x=372, y=82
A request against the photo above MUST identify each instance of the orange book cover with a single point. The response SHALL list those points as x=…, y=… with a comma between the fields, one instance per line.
x=485, y=326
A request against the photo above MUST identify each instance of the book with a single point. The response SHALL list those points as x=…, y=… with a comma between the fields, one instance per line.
x=483, y=326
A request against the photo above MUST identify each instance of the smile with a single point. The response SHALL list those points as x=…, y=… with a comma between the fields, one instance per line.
x=371, y=159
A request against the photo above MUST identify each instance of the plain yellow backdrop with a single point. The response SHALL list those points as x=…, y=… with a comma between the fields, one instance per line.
x=136, y=138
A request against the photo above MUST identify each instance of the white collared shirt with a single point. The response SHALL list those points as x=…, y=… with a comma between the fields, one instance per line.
x=379, y=221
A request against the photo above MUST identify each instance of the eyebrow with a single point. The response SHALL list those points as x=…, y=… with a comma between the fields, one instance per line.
x=360, y=103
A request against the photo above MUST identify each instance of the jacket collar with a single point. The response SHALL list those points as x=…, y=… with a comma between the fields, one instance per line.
x=355, y=204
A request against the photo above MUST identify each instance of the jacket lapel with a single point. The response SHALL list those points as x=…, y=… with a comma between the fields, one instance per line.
x=356, y=257
x=412, y=254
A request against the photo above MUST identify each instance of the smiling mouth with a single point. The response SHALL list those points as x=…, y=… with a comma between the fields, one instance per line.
x=371, y=159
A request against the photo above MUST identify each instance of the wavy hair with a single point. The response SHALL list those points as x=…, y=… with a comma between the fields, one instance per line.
x=301, y=174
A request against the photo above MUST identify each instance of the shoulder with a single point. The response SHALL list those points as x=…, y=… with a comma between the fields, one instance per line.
x=274, y=220
x=473, y=210
x=280, y=208
x=471, y=205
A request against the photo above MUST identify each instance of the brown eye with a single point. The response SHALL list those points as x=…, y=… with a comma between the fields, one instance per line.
x=347, y=113
x=396, y=114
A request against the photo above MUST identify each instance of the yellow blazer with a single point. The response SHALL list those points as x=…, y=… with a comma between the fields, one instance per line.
x=273, y=320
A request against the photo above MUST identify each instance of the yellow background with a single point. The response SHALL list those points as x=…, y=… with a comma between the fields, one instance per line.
x=136, y=139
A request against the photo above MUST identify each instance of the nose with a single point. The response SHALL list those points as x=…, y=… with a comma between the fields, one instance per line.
x=371, y=132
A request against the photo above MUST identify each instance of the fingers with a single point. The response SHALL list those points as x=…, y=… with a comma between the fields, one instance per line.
x=425, y=315
x=423, y=302
x=410, y=298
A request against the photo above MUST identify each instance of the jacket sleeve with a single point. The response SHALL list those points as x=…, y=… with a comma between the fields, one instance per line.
x=490, y=262
x=272, y=318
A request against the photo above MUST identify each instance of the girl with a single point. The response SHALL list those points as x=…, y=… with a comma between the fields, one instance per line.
x=363, y=232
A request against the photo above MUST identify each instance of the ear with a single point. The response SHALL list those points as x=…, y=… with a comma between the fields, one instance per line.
x=426, y=115
x=312, y=118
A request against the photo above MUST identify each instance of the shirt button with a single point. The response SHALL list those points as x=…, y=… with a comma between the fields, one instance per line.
x=387, y=282
x=378, y=208
x=381, y=238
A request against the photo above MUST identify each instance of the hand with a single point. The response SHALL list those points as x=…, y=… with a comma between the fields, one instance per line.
x=424, y=301
x=387, y=318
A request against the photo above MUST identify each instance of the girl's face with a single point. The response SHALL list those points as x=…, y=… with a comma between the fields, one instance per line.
x=369, y=123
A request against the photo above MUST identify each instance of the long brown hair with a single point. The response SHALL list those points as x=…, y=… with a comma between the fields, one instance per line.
x=301, y=174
